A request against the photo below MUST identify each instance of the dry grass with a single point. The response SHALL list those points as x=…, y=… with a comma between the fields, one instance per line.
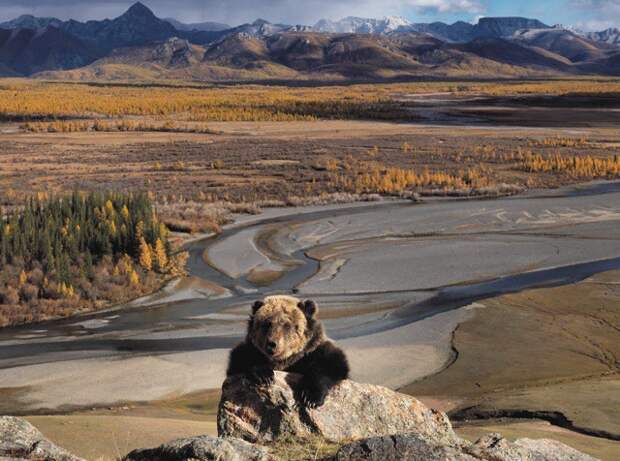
x=559, y=141
x=371, y=177
x=32, y=100
x=196, y=217
x=169, y=126
x=198, y=183
x=312, y=448
x=584, y=167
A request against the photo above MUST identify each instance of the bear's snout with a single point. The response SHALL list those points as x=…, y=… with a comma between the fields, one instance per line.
x=271, y=347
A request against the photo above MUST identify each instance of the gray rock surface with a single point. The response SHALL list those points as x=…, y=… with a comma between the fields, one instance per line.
x=203, y=448
x=398, y=448
x=545, y=449
x=20, y=440
x=490, y=448
x=368, y=423
x=371, y=422
x=351, y=411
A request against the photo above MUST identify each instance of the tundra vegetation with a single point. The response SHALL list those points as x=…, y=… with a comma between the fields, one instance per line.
x=199, y=168
x=28, y=100
x=79, y=252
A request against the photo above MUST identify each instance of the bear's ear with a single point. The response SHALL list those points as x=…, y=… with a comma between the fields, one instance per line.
x=256, y=306
x=309, y=308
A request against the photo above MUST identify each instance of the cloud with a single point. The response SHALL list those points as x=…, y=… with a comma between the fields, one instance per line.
x=447, y=6
x=600, y=13
x=238, y=11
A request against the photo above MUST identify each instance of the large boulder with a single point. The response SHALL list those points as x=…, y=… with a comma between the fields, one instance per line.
x=20, y=440
x=398, y=448
x=351, y=411
x=490, y=448
x=545, y=449
x=203, y=448
x=370, y=423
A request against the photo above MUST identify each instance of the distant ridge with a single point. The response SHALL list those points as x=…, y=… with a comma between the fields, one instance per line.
x=198, y=26
x=137, y=26
x=354, y=25
x=138, y=44
x=27, y=21
x=458, y=32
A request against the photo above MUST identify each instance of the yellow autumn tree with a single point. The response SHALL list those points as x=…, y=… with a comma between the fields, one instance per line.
x=109, y=208
x=146, y=255
x=161, y=258
x=134, y=279
x=140, y=231
x=22, y=279
x=177, y=265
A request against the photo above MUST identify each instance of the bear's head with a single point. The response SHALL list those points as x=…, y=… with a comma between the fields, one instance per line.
x=282, y=326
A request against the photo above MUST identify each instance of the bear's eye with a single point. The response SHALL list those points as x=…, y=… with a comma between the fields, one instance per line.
x=266, y=325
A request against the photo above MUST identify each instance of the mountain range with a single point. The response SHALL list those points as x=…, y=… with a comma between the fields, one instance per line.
x=139, y=45
x=458, y=32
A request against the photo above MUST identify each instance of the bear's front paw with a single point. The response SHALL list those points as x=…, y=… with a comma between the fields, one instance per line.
x=261, y=376
x=311, y=396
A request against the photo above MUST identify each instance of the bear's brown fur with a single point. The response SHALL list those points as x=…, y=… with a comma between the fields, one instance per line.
x=284, y=334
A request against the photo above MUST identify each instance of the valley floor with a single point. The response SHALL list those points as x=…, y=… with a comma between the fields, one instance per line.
x=489, y=309
x=543, y=366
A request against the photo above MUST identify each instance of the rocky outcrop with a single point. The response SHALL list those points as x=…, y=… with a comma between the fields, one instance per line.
x=19, y=440
x=371, y=423
x=358, y=422
x=399, y=447
x=351, y=411
x=203, y=448
x=496, y=448
x=175, y=52
x=490, y=448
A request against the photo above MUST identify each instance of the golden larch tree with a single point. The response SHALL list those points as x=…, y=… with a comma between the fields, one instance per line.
x=161, y=258
x=146, y=255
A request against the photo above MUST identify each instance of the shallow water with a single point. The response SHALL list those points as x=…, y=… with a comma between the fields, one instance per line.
x=412, y=277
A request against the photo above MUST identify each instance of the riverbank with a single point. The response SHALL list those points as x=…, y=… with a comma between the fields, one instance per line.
x=394, y=318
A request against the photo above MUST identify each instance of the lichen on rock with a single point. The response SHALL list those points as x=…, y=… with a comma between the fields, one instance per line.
x=351, y=411
x=203, y=448
x=20, y=440
x=370, y=423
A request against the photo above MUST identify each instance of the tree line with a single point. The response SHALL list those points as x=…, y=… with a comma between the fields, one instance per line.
x=80, y=249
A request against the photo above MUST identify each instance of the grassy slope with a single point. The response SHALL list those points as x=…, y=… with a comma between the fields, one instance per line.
x=541, y=350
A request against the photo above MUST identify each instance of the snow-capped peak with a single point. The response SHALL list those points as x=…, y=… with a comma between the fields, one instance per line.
x=355, y=25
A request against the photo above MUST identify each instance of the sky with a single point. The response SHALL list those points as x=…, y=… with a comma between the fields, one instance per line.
x=584, y=14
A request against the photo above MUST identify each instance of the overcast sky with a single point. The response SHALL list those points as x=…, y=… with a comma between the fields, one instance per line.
x=587, y=14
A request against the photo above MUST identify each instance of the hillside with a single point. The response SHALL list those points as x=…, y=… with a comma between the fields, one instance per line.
x=139, y=45
x=27, y=21
x=564, y=43
x=197, y=26
x=504, y=51
x=26, y=51
x=310, y=55
x=137, y=26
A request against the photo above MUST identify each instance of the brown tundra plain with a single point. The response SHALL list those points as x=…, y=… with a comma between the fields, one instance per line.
x=461, y=238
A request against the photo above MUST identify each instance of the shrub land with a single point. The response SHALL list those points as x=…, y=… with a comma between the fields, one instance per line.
x=32, y=101
x=78, y=252
x=62, y=126
x=28, y=100
x=200, y=168
x=586, y=167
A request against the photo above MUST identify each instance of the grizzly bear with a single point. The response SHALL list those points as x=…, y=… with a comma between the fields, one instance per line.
x=284, y=334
